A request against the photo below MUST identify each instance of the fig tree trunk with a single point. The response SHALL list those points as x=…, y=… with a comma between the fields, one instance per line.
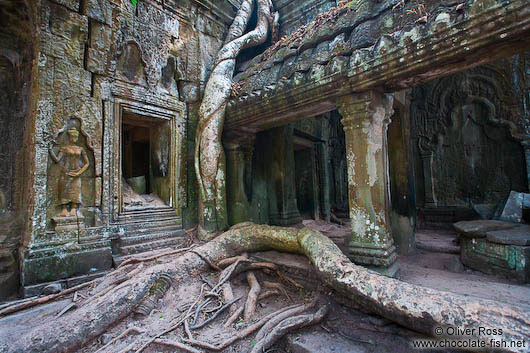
x=210, y=163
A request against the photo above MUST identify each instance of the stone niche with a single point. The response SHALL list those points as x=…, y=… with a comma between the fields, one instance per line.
x=467, y=139
x=131, y=67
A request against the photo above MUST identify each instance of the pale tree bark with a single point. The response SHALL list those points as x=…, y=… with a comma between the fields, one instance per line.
x=418, y=308
x=210, y=159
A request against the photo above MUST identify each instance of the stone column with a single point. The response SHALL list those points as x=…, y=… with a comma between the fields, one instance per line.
x=236, y=161
x=526, y=146
x=401, y=170
x=282, y=196
x=324, y=164
x=430, y=196
x=365, y=118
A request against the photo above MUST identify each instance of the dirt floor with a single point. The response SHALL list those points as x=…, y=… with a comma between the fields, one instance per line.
x=435, y=264
x=344, y=329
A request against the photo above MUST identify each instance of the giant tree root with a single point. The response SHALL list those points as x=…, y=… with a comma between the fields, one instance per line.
x=288, y=325
x=252, y=298
x=418, y=308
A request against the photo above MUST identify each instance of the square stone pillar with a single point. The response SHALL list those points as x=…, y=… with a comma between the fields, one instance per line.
x=365, y=118
x=283, y=208
x=238, y=154
x=526, y=146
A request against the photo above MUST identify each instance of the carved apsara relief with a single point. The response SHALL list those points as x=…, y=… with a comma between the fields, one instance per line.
x=71, y=177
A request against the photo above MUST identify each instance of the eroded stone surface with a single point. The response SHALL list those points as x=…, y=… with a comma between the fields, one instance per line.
x=519, y=235
x=478, y=229
x=513, y=209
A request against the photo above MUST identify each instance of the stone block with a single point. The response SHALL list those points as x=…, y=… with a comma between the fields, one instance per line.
x=62, y=48
x=513, y=210
x=96, y=61
x=519, y=235
x=71, y=78
x=68, y=224
x=304, y=60
x=65, y=262
x=70, y=4
x=99, y=10
x=52, y=288
x=321, y=342
x=510, y=261
x=98, y=48
x=44, y=16
x=479, y=228
x=69, y=25
x=361, y=36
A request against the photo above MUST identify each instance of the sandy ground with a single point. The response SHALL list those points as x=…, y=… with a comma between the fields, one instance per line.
x=441, y=270
x=132, y=200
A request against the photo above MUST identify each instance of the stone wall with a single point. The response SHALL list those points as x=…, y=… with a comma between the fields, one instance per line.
x=468, y=131
x=16, y=55
x=97, y=60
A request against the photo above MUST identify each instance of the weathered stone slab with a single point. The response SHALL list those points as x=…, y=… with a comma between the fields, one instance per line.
x=519, y=235
x=97, y=52
x=99, y=10
x=66, y=261
x=513, y=210
x=479, y=228
x=71, y=4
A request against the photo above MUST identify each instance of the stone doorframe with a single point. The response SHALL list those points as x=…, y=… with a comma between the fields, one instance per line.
x=177, y=124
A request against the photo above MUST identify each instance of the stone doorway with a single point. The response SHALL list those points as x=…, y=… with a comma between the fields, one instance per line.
x=145, y=162
x=146, y=212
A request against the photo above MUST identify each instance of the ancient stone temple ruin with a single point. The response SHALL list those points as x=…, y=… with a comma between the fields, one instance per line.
x=386, y=118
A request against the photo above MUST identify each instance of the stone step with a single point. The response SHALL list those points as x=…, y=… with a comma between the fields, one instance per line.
x=158, y=244
x=142, y=238
x=444, y=217
x=437, y=241
x=147, y=214
x=141, y=229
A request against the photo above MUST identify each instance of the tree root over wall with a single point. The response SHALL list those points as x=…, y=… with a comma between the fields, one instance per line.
x=418, y=308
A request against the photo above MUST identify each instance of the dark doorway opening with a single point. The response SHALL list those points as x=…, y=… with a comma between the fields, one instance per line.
x=145, y=162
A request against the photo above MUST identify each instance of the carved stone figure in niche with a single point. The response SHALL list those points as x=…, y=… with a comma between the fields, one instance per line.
x=73, y=162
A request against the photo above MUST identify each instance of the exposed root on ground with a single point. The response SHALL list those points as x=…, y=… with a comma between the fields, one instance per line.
x=419, y=308
x=252, y=298
x=288, y=325
x=123, y=334
x=133, y=260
